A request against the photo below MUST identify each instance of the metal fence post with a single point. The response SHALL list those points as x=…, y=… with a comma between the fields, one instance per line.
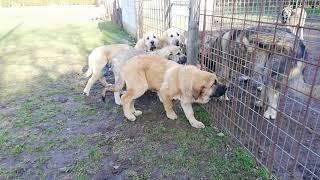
x=193, y=31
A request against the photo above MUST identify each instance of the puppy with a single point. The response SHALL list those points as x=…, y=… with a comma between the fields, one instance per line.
x=149, y=42
x=172, y=81
x=174, y=37
x=170, y=52
x=97, y=60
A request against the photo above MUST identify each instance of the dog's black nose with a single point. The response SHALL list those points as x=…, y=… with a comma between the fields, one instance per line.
x=152, y=42
x=177, y=43
x=220, y=90
x=182, y=60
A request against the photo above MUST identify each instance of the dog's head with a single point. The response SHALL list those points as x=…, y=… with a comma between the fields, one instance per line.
x=206, y=85
x=174, y=53
x=285, y=14
x=174, y=37
x=151, y=41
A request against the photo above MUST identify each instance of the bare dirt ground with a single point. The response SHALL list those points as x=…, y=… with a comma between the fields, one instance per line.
x=49, y=130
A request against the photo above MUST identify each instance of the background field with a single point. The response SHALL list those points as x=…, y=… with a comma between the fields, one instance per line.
x=50, y=130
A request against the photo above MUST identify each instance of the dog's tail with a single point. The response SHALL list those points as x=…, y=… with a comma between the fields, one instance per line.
x=113, y=88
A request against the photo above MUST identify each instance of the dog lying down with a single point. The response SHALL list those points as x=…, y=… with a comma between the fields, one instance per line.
x=171, y=81
x=173, y=53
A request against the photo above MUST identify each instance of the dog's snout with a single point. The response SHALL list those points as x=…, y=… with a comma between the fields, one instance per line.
x=177, y=43
x=182, y=60
x=152, y=42
x=220, y=90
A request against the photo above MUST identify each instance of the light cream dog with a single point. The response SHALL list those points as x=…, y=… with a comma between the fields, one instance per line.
x=174, y=37
x=291, y=17
x=97, y=59
x=149, y=42
x=172, y=81
x=173, y=53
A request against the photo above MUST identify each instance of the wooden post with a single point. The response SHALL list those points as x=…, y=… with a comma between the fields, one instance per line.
x=193, y=32
x=140, y=19
x=167, y=14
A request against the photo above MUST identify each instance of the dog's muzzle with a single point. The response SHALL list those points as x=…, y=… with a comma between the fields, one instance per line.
x=177, y=43
x=152, y=47
x=182, y=60
x=220, y=90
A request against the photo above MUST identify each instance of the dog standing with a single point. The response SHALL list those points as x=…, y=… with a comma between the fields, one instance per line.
x=97, y=60
x=262, y=61
x=173, y=53
x=172, y=81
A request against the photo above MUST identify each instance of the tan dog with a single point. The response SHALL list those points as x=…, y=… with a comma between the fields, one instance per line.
x=149, y=42
x=170, y=52
x=172, y=81
x=97, y=59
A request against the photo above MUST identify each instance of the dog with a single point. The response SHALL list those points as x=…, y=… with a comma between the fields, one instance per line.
x=149, y=42
x=173, y=53
x=258, y=48
x=173, y=37
x=97, y=60
x=171, y=81
x=290, y=16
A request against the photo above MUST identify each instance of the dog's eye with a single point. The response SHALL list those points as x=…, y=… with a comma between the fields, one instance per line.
x=178, y=53
x=178, y=34
x=154, y=37
x=147, y=38
x=171, y=54
x=171, y=35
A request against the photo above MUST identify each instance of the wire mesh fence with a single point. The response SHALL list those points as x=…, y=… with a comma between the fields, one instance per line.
x=267, y=52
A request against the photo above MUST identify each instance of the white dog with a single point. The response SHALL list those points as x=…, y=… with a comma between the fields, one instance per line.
x=149, y=42
x=291, y=16
x=173, y=37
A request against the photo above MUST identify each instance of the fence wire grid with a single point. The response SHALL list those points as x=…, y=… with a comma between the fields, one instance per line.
x=270, y=67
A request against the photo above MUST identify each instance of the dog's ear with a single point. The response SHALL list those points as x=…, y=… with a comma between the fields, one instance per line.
x=197, y=90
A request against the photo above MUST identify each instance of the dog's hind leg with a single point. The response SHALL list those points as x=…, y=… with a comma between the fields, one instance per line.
x=133, y=109
x=133, y=92
x=91, y=81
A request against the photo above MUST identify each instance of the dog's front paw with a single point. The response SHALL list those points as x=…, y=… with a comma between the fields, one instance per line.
x=197, y=124
x=137, y=113
x=130, y=117
x=172, y=115
x=270, y=113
